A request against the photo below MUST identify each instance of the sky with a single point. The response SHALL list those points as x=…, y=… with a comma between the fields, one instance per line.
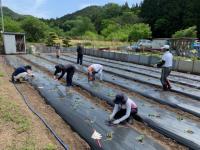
x=55, y=8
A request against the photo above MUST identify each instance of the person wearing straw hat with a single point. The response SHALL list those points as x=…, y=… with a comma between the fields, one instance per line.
x=166, y=64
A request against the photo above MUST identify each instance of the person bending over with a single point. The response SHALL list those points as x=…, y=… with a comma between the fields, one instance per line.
x=69, y=69
x=124, y=110
x=21, y=73
x=93, y=70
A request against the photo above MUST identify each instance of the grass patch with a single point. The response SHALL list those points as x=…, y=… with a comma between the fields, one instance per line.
x=99, y=44
x=9, y=112
x=50, y=147
x=1, y=74
x=29, y=144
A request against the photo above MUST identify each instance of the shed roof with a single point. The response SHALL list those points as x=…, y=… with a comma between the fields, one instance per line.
x=13, y=33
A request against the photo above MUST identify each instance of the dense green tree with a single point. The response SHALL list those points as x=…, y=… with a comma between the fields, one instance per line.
x=168, y=16
x=127, y=18
x=111, y=10
x=66, y=42
x=53, y=39
x=90, y=35
x=11, y=25
x=35, y=29
x=190, y=32
x=139, y=31
x=110, y=29
x=80, y=25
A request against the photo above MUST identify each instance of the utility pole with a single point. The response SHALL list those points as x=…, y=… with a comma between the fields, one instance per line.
x=2, y=20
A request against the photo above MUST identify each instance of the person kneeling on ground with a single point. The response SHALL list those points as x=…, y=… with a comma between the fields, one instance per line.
x=93, y=70
x=69, y=69
x=124, y=110
x=21, y=73
x=166, y=64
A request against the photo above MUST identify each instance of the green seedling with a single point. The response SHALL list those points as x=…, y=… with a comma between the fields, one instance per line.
x=76, y=104
x=109, y=136
x=154, y=115
x=189, y=131
x=111, y=94
x=179, y=118
x=140, y=138
x=61, y=98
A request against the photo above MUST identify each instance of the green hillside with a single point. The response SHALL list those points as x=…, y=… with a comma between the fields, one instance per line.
x=113, y=22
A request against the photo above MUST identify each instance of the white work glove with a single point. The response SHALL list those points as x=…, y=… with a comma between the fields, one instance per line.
x=155, y=65
x=55, y=78
x=116, y=122
x=96, y=135
x=110, y=118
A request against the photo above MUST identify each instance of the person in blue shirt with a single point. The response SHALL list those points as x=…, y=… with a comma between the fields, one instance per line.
x=21, y=73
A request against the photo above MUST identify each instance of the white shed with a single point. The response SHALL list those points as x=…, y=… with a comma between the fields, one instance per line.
x=14, y=43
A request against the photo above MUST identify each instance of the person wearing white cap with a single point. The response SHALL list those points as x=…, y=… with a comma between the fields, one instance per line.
x=166, y=64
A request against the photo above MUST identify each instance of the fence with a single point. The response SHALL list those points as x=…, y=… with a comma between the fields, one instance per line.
x=148, y=60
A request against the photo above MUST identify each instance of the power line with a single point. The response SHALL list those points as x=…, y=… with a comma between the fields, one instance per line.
x=2, y=20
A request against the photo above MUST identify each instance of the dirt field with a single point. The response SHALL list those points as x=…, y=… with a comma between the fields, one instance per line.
x=20, y=129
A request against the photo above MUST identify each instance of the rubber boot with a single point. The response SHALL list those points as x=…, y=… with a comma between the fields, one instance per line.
x=130, y=120
x=168, y=85
x=165, y=87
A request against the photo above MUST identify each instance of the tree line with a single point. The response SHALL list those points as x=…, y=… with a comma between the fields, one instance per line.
x=150, y=19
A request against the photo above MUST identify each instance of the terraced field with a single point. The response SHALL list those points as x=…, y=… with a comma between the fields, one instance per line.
x=171, y=119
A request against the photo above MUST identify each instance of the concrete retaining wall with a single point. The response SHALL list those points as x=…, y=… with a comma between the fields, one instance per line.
x=179, y=65
x=186, y=66
x=196, y=67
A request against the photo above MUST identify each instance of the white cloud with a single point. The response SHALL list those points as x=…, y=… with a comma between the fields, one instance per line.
x=27, y=7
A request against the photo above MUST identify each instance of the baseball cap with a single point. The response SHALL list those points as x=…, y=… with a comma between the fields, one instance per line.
x=165, y=47
x=28, y=67
x=120, y=98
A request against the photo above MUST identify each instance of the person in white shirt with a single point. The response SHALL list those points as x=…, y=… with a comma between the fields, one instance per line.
x=166, y=64
x=93, y=70
x=125, y=109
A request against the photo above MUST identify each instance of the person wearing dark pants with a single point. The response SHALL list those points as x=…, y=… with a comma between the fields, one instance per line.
x=164, y=74
x=166, y=64
x=21, y=73
x=58, y=51
x=124, y=110
x=80, y=51
x=69, y=69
